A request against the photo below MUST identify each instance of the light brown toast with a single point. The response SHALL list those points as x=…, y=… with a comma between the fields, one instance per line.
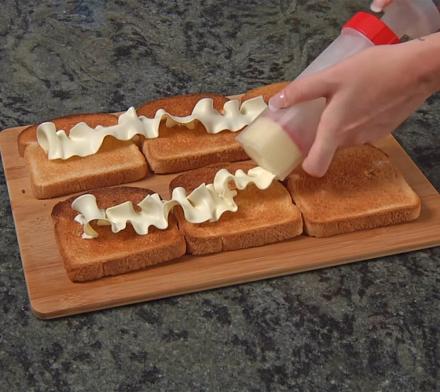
x=29, y=134
x=263, y=216
x=361, y=190
x=266, y=91
x=179, y=148
x=117, y=162
x=112, y=253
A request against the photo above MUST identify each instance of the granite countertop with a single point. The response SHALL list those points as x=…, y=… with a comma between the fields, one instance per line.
x=370, y=326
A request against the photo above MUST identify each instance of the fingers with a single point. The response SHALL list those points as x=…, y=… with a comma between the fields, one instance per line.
x=379, y=5
x=326, y=141
x=321, y=154
x=300, y=90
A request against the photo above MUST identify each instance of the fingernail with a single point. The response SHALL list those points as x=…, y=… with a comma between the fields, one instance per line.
x=375, y=8
x=277, y=101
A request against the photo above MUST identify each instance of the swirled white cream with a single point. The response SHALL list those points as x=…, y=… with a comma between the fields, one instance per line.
x=84, y=140
x=205, y=203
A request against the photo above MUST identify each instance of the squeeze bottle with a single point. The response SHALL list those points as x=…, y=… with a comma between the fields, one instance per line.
x=279, y=140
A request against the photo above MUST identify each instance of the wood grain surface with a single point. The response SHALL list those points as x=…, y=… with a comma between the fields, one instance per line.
x=52, y=294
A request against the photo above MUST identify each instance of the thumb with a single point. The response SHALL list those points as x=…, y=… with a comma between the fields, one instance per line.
x=300, y=90
x=323, y=149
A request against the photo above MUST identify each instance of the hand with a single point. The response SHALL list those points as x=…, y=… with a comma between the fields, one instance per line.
x=379, y=5
x=368, y=96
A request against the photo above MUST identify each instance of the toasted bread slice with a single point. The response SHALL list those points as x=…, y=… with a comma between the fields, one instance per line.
x=179, y=148
x=361, y=190
x=29, y=134
x=266, y=91
x=112, y=253
x=117, y=162
x=263, y=216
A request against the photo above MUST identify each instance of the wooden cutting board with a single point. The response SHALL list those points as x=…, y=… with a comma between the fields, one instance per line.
x=52, y=294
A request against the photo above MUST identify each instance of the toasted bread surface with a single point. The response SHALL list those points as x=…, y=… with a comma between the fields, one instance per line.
x=263, y=216
x=361, y=190
x=266, y=91
x=117, y=162
x=29, y=134
x=179, y=148
x=179, y=105
x=112, y=253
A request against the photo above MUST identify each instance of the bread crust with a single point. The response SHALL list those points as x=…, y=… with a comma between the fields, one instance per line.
x=117, y=162
x=266, y=91
x=263, y=217
x=112, y=253
x=362, y=190
x=179, y=148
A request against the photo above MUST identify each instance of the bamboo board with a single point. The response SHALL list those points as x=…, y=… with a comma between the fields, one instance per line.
x=52, y=294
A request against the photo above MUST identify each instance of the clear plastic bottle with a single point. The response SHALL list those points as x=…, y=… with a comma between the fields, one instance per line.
x=278, y=140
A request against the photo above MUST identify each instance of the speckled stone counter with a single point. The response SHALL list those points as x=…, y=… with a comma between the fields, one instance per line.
x=371, y=326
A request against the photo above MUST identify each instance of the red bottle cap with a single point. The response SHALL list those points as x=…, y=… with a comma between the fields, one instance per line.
x=373, y=28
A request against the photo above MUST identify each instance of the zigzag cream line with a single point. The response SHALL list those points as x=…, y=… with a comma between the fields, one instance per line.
x=84, y=140
x=205, y=203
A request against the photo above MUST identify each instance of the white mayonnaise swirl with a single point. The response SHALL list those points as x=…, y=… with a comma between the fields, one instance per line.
x=205, y=203
x=84, y=140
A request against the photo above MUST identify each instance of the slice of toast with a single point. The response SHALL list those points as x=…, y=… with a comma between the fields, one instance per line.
x=179, y=148
x=266, y=91
x=361, y=190
x=117, y=162
x=112, y=253
x=263, y=216
x=29, y=134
